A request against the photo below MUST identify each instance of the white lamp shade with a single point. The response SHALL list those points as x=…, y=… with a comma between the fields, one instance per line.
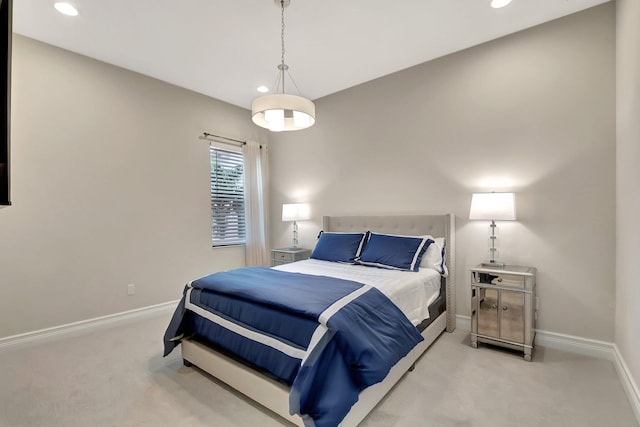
x=493, y=206
x=295, y=212
x=283, y=112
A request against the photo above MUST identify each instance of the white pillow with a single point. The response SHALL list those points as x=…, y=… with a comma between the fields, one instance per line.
x=435, y=255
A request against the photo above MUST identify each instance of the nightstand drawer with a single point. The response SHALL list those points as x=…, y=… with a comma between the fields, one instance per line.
x=282, y=256
x=503, y=278
x=509, y=281
x=287, y=255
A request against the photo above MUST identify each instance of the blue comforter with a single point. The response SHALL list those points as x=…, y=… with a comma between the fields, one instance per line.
x=327, y=338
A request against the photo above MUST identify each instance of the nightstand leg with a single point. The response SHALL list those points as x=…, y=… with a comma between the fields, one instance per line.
x=474, y=341
x=527, y=354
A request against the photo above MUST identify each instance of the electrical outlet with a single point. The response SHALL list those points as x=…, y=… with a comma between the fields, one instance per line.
x=131, y=289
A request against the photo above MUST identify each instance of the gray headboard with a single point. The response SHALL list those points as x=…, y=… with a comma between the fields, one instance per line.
x=411, y=225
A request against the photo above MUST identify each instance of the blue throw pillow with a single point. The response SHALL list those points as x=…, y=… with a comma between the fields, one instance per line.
x=394, y=252
x=339, y=247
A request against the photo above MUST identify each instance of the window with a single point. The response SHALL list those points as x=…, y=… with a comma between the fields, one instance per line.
x=227, y=197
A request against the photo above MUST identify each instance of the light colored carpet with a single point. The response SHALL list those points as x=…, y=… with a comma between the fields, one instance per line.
x=117, y=377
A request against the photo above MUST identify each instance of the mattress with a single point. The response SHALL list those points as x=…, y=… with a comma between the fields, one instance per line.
x=412, y=292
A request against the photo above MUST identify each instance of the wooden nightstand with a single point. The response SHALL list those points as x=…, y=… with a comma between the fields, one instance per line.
x=502, y=307
x=287, y=255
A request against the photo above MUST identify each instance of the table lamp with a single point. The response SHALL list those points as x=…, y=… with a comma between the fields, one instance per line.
x=295, y=212
x=493, y=207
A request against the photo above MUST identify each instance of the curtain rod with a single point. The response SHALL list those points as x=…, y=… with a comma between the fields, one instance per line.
x=230, y=141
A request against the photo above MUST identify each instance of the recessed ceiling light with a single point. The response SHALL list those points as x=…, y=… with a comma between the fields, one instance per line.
x=499, y=3
x=66, y=8
x=262, y=89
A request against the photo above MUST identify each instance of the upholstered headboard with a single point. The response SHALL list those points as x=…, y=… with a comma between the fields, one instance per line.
x=410, y=225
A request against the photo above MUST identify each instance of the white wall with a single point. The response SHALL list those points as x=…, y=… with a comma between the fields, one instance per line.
x=533, y=112
x=110, y=186
x=627, y=326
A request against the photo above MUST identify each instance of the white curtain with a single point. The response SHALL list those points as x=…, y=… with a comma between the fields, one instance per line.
x=256, y=196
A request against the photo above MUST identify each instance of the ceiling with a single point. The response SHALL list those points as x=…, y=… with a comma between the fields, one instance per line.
x=226, y=49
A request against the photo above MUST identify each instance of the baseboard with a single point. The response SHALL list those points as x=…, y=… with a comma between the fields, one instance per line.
x=629, y=385
x=84, y=326
x=574, y=344
x=463, y=322
x=580, y=345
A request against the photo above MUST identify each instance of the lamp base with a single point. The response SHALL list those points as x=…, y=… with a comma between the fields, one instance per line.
x=493, y=264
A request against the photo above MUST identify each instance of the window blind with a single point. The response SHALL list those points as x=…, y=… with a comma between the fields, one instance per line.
x=227, y=197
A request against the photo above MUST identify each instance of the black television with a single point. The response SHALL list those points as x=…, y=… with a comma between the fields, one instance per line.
x=5, y=99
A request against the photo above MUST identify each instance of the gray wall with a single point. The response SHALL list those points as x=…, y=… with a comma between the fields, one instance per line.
x=110, y=186
x=533, y=113
x=628, y=177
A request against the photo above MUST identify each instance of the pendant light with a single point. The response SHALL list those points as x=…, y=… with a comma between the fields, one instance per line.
x=281, y=111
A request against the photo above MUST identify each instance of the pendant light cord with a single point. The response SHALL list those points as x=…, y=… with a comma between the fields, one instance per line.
x=284, y=68
x=282, y=28
x=282, y=41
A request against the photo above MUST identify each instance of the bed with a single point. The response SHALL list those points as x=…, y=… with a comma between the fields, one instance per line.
x=431, y=315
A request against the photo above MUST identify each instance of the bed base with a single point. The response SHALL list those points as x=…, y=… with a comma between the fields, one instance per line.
x=274, y=395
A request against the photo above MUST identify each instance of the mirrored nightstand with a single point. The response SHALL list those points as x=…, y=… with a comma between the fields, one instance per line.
x=502, y=307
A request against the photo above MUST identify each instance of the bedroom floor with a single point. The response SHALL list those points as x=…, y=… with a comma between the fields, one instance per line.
x=117, y=377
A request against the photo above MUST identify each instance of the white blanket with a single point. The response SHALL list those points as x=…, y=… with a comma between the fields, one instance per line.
x=412, y=292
